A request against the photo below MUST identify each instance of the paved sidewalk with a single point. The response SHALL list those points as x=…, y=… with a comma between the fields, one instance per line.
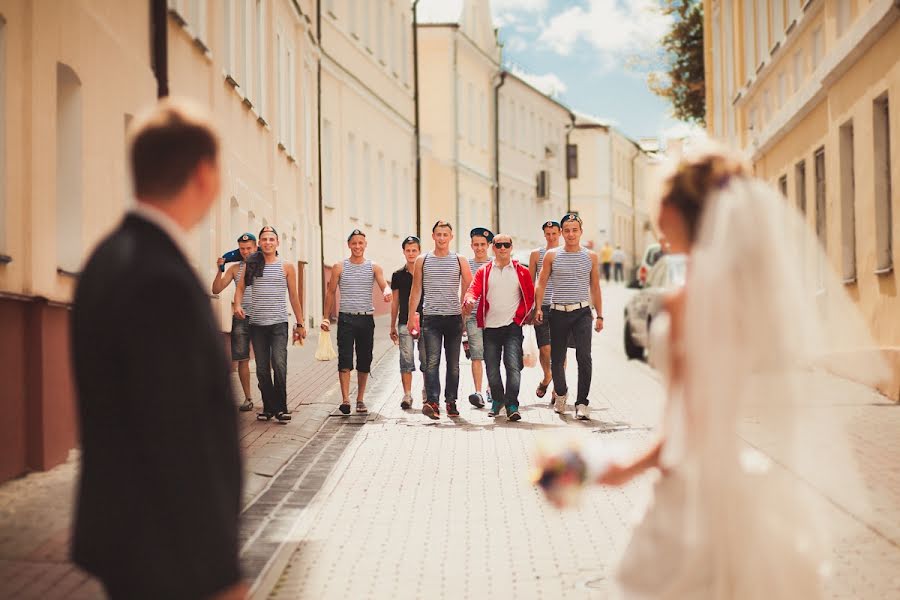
x=444, y=509
x=35, y=510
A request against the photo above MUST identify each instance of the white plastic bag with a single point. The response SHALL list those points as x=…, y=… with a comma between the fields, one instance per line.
x=529, y=347
x=325, y=350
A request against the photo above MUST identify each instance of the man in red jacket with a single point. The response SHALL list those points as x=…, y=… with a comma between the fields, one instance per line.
x=506, y=292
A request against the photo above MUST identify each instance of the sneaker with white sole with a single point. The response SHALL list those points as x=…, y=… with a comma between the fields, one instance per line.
x=582, y=411
x=406, y=402
x=559, y=403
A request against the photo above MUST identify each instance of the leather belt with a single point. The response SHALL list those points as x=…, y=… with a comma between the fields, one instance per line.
x=570, y=307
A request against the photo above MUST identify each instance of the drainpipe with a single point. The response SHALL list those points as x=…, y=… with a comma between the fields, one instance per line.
x=159, y=40
x=456, y=129
x=569, y=129
x=319, y=152
x=415, y=40
x=637, y=153
x=495, y=217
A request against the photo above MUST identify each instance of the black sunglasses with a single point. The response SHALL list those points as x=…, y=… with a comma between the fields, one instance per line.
x=502, y=244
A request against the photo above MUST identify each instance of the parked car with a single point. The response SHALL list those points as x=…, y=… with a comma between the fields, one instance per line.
x=651, y=255
x=667, y=273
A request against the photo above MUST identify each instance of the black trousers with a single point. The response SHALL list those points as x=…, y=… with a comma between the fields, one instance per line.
x=578, y=324
x=359, y=331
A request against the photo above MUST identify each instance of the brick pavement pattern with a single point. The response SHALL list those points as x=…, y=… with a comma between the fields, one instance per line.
x=444, y=509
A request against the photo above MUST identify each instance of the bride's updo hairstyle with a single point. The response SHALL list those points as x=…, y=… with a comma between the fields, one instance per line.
x=696, y=178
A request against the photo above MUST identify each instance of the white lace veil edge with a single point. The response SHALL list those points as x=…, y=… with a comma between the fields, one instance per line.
x=763, y=312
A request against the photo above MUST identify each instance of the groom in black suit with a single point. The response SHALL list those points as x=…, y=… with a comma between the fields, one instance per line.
x=160, y=488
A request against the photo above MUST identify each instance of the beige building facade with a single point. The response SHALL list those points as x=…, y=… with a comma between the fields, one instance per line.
x=809, y=89
x=615, y=188
x=532, y=160
x=459, y=66
x=72, y=76
x=368, y=128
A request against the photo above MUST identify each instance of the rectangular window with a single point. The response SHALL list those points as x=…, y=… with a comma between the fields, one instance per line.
x=409, y=209
x=379, y=30
x=327, y=176
x=728, y=36
x=800, y=186
x=198, y=19
x=821, y=215
x=329, y=6
x=749, y=38
x=883, y=213
x=393, y=61
x=366, y=25
x=782, y=185
x=818, y=47
x=848, y=203
x=3, y=180
x=470, y=112
x=353, y=17
x=482, y=119
x=308, y=130
x=777, y=21
x=762, y=31
x=69, y=156
x=798, y=70
x=228, y=22
x=382, y=207
x=246, y=23
x=367, y=198
x=843, y=16
x=279, y=88
x=292, y=105
x=782, y=89
x=350, y=177
x=259, y=83
x=395, y=201
x=404, y=50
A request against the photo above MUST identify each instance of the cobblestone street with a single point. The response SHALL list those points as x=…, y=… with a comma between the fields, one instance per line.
x=395, y=505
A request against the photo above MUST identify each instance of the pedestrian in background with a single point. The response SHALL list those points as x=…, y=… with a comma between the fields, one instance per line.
x=445, y=277
x=356, y=318
x=240, y=328
x=542, y=331
x=575, y=273
x=606, y=260
x=618, y=259
x=272, y=281
x=481, y=239
x=401, y=285
x=502, y=293
x=160, y=482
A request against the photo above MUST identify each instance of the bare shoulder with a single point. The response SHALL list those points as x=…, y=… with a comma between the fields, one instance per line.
x=288, y=268
x=594, y=256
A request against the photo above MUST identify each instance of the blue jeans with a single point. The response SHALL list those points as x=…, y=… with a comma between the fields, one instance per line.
x=505, y=341
x=443, y=330
x=270, y=348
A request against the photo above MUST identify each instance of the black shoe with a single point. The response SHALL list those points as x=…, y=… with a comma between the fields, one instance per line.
x=345, y=409
x=264, y=416
x=452, y=411
x=476, y=400
x=512, y=412
x=283, y=417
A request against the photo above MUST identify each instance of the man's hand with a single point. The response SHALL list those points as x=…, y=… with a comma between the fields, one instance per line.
x=469, y=304
x=616, y=475
x=388, y=295
x=394, y=336
x=598, y=324
x=326, y=325
x=220, y=262
x=538, y=316
x=239, y=312
x=413, y=322
x=301, y=328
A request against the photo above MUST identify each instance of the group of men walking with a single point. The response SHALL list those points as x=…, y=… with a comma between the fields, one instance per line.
x=480, y=303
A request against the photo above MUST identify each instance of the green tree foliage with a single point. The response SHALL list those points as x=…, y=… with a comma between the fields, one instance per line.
x=682, y=81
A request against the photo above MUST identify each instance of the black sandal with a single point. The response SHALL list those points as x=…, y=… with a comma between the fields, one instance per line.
x=361, y=408
x=283, y=417
x=541, y=390
x=345, y=409
x=264, y=416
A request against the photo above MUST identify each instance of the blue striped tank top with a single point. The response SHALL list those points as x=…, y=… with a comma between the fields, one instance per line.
x=270, y=296
x=548, y=292
x=246, y=301
x=356, y=287
x=571, y=277
x=440, y=282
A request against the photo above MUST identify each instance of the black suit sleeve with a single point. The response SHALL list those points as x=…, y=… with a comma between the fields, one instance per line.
x=186, y=435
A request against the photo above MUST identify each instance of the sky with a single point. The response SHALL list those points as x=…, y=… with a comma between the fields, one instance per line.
x=592, y=55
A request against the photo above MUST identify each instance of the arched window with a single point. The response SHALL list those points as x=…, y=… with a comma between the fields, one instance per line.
x=69, y=153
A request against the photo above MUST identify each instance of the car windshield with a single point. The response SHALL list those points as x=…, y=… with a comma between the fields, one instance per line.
x=653, y=254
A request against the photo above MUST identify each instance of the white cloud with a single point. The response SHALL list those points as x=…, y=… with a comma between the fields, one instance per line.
x=515, y=44
x=548, y=83
x=503, y=11
x=613, y=27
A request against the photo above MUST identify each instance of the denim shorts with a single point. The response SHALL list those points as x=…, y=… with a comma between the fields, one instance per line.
x=240, y=339
x=476, y=339
x=407, y=350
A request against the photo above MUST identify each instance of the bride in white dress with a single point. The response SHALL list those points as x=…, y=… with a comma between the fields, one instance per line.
x=759, y=313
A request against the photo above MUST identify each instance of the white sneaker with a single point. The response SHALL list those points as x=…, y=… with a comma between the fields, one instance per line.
x=582, y=411
x=559, y=404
